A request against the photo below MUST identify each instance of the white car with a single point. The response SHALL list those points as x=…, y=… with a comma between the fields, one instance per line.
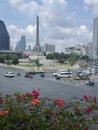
x=9, y=74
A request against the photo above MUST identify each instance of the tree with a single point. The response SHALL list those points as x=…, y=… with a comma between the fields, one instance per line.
x=50, y=56
x=73, y=57
x=2, y=59
x=8, y=57
x=15, y=60
x=56, y=55
x=85, y=57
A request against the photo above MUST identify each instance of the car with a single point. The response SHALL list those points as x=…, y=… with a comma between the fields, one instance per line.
x=55, y=74
x=83, y=75
x=59, y=71
x=18, y=74
x=90, y=83
x=64, y=75
x=32, y=72
x=9, y=74
x=42, y=74
x=28, y=75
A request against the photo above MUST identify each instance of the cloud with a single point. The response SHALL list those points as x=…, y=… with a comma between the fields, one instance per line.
x=91, y=6
x=28, y=7
x=69, y=36
x=16, y=3
x=91, y=2
x=15, y=34
x=56, y=22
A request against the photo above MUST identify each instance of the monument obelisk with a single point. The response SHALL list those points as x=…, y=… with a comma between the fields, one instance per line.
x=37, y=47
x=37, y=32
x=37, y=53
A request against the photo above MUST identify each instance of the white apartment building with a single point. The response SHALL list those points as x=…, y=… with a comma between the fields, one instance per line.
x=70, y=50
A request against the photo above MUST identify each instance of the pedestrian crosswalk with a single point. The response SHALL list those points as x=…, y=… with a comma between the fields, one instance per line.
x=71, y=82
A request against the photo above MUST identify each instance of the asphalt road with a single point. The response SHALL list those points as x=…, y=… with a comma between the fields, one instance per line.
x=47, y=86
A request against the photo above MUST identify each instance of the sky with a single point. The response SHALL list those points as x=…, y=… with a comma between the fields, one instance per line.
x=63, y=23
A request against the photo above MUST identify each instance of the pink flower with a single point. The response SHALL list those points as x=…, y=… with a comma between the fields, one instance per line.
x=78, y=111
x=95, y=99
x=88, y=110
x=86, y=129
x=86, y=98
x=60, y=102
x=8, y=95
x=35, y=94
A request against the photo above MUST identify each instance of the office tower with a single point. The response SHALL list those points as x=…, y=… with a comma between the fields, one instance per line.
x=37, y=47
x=89, y=49
x=49, y=48
x=95, y=40
x=4, y=37
x=21, y=45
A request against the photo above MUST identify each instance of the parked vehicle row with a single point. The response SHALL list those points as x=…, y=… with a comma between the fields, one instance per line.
x=11, y=74
x=30, y=74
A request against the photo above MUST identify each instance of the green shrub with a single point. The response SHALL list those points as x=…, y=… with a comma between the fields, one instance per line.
x=79, y=78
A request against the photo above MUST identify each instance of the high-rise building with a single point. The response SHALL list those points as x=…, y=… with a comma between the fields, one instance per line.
x=89, y=49
x=21, y=45
x=4, y=37
x=37, y=47
x=49, y=48
x=94, y=45
x=29, y=47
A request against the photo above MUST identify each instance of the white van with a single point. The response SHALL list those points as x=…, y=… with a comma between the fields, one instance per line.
x=64, y=75
x=59, y=71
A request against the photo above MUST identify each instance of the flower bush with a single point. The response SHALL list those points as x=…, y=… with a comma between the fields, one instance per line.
x=29, y=112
